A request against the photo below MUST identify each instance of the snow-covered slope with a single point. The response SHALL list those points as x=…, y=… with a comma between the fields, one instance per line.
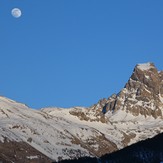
x=107, y=126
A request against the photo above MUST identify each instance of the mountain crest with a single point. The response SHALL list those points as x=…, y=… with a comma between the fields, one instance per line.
x=142, y=95
x=143, y=92
x=145, y=74
x=134, y=114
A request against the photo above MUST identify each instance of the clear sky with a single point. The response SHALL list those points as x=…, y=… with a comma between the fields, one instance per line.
x=74, y=52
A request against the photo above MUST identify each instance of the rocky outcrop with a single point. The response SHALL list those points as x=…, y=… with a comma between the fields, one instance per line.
x=142, y=95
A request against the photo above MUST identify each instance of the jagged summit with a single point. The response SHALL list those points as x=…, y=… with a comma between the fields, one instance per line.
x=146, y=74
x=142, y=94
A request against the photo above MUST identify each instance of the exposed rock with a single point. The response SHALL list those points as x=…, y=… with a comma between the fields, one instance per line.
x=141, y=94
x=11, y=151
x=127, y=138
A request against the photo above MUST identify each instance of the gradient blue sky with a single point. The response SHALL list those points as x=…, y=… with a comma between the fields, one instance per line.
x=74, y=52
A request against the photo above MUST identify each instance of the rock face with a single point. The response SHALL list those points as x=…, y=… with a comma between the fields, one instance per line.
x=134, y=114
x=142, y=94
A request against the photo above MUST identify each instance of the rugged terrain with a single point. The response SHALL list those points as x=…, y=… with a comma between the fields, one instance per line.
x=146, y=151
x=132, y=115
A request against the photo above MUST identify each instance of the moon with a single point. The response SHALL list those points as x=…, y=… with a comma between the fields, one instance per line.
x=16, y=12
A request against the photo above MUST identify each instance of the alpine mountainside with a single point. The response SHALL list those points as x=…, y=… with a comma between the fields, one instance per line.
x=53, y=134
x=146, y=151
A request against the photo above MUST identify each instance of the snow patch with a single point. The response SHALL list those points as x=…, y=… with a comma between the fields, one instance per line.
x=147, y=77
x=32, y=157
x=145, y=66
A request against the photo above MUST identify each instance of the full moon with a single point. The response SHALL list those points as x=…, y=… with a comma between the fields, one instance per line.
x=16, y=12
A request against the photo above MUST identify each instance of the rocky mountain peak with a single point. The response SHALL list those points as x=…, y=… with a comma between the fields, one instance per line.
x=142, y=95
x=145, y=74
x=143, y=92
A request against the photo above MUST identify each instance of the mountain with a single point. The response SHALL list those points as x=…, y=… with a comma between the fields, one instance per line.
x=147, y=151
x=150, y=150
x=54, y=134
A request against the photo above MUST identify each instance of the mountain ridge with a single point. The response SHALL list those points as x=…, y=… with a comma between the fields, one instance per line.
x=132, y=115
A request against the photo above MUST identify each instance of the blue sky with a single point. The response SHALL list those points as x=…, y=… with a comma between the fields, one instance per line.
x=74, y=52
